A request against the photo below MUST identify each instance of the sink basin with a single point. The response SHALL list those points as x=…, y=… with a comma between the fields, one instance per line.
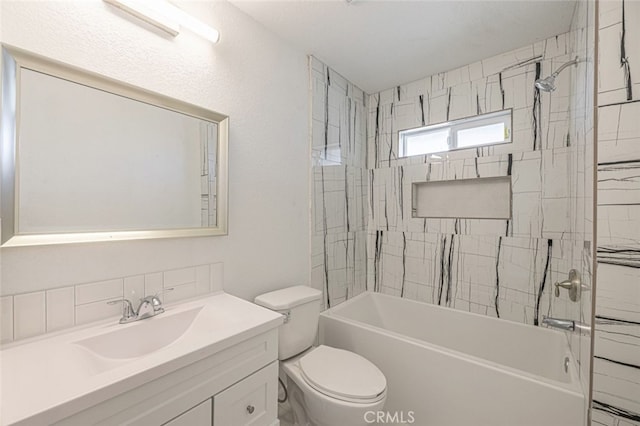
x=141, y=337
x=67, y=372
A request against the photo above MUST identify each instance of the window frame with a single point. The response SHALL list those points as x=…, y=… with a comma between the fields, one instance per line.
x=454, y=127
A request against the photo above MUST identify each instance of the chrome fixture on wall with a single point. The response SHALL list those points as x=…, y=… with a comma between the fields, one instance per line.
x=577, y=326
x=573, y=285
x=566, y=325
x=549, y=84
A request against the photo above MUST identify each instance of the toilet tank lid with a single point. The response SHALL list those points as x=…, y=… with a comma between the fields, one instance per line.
x=288, y=297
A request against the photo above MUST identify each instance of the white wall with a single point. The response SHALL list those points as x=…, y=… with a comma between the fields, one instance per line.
x=252, y=76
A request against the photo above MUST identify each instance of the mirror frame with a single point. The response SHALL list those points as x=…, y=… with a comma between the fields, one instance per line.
x=13, y=61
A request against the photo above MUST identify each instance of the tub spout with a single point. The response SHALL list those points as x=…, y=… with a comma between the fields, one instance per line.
x=562, y=324
x=566, y=324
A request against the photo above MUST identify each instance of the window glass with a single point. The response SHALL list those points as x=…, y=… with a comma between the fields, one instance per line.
x=493, y=133
x=480, y=130
x=428, y=142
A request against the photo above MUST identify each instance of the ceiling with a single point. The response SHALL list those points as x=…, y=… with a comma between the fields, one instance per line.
x=378, y=44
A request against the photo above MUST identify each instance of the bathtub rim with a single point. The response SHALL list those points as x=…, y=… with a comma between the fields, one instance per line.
x=573, y=387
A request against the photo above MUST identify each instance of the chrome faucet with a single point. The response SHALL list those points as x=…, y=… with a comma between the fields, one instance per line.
x=571, y=325
x=149, y=306
x=562, y=324
x=566, y=324
x=128, y=313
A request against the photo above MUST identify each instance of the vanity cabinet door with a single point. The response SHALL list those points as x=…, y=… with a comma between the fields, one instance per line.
x=252, y=401
x=200, y=415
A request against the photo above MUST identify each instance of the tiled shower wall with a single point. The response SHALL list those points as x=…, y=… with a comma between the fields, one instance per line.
x=339, y=192
x=616, y=380
x=502, y=268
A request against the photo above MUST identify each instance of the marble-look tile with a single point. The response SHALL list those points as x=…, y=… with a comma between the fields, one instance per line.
x=339, y=119
x=340, y=184
x=618, y=134
x=616, y=385
x=540, y=160
x=619, y=284
x=602, y=416
x=616, y=381
x=619, y=77
x=338, y=265
x=611, y=83
x=466, y=272
x=619, y=184
x=610, y=13
x=618, y=224
x=618, y=342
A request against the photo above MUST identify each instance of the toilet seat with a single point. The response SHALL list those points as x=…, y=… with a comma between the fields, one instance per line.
x=343, y=375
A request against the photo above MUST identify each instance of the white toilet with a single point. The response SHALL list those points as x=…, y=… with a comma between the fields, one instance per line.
x=326, y=386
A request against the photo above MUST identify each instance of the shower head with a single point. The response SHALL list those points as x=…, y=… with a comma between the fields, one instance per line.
x=546, y=84
x=549, y=84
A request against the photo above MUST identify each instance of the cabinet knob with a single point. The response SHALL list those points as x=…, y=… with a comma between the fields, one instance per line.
x=250, y=409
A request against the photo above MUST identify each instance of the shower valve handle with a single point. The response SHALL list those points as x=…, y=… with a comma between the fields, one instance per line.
x=573, y=284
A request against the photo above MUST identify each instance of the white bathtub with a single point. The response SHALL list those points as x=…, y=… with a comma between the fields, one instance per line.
x=452, y=368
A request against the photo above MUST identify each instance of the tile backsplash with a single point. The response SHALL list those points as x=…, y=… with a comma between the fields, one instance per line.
x=31, y=314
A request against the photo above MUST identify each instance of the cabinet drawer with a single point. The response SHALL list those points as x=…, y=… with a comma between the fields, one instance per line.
x=200, y=415
x=252, y=401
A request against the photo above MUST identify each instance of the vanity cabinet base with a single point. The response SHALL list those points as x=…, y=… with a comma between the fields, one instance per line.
x=242, y=375
x=250, y=402
x=200, y=415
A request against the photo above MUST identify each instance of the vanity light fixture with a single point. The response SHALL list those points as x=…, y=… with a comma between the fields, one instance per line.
x=166, y=17
x=148, y=12
x=194, y=25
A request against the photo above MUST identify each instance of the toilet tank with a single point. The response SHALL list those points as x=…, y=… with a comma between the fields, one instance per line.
x=301, y=304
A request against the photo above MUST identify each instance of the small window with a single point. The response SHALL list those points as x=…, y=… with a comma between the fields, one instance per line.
x=481, y=130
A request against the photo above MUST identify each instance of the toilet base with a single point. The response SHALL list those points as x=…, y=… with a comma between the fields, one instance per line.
x=311, y=408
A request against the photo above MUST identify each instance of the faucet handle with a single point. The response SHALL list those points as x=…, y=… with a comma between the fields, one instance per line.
x=128, y=312
x=152, y=305
x=166, y=290
x=155, y=300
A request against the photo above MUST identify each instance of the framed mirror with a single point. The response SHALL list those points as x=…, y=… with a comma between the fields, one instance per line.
x=88, y=158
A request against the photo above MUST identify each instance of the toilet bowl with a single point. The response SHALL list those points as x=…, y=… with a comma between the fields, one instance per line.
x=326, y=386
x=330, y=387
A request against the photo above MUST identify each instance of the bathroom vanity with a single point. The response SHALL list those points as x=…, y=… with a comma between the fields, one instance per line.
x=211, y=361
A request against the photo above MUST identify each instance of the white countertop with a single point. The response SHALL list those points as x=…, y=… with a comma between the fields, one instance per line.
x=51, y=377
